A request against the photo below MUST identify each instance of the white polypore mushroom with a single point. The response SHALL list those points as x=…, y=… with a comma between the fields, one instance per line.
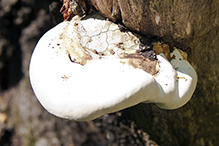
x=82, y=69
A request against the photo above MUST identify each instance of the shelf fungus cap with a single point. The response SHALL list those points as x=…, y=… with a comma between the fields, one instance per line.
x=85, y=68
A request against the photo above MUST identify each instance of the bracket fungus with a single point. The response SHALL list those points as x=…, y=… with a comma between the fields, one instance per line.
x=84, y=68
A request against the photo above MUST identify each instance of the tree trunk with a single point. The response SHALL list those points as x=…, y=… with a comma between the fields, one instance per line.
x=189, y=25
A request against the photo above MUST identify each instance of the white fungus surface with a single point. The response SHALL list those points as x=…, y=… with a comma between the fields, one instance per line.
x=76, y=72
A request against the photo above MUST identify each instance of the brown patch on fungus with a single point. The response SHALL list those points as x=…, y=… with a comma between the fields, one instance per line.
x=184, y=54
x=65, y=78
x=73, y=47
x=162, y=48
x=112, y=52
x=76, y=53
x=142, y=61
x=95, y=52
x=181, y=78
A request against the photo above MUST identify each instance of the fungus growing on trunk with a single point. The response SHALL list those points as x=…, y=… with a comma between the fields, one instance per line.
x=85, y=68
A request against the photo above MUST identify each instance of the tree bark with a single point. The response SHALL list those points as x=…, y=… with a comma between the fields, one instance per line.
x=189, y=25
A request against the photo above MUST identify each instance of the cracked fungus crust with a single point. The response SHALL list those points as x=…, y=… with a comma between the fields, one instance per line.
x=93, y=39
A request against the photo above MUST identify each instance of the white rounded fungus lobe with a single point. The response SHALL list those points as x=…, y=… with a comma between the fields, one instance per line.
x=85, y=68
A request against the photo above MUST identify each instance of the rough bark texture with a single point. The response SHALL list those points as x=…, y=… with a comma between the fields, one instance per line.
x=177, y=22
x=190, y=25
